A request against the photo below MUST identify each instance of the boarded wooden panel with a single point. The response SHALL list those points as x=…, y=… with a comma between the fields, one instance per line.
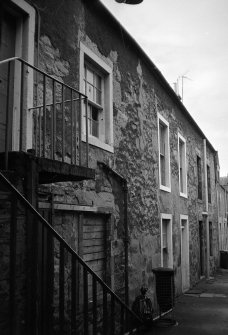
x=94, y=249
x=94, y=256
x=94, y=243
x=93, y=235
x=89, y=229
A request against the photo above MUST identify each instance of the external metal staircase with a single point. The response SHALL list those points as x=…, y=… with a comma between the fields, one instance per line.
x=47, y=288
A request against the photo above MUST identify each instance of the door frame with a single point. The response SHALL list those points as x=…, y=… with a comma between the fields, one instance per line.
x=185, y=258
x=24, y=48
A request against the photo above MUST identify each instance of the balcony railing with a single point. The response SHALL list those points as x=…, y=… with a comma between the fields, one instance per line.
x=40, y=114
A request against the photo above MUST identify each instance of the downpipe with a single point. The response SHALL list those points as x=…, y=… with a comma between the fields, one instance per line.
x=205, y=214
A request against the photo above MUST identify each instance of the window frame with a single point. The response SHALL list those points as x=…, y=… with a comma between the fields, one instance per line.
x=24, y=48
x=91, y=103
x=183, y=172
x=199, y=178
x=169, y=236
x=105, y=139
x=184, y=218
x=211, y=238
x=209, y=195
x=164, y=123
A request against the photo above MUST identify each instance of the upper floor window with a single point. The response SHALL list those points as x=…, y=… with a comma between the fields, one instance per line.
x=182, y=166
x=96, y=84
x=209, y=183
x=199, y=177
x=94, y=87
x=164, y=154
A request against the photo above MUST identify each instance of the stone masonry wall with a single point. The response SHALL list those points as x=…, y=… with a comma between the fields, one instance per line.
x=8, y=210
x=137, y=97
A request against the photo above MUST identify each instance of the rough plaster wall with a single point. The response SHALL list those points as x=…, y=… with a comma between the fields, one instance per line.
x=136, y=158
x=177, y=205
x=137, y=98
x=50, y=59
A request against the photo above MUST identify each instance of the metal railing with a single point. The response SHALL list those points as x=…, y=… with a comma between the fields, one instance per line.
x=41, y=114
x=64, y=296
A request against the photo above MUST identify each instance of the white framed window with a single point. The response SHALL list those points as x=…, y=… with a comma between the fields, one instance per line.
x=96, y=83
x=164, y=154
x=182, y=166
x=94, y=89
x=209, y=183
x=199, y=177
x=166, y=241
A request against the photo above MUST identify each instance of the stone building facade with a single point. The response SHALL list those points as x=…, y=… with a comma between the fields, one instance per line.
x=222, y=217
x=143, y=143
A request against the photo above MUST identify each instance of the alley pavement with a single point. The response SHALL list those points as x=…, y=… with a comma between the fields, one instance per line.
x=203, y=310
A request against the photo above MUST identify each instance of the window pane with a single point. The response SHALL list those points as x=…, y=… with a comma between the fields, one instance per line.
x=93, y=121
x=89, y=91
x=211, y=238
x=162, y=167
x=162, y=139
x=98, y=96
x=97, y=81
x=163, y=153
x=181, y=181
x=89, y=76
x=199, y=177
x=209, y=184
x=181, y=165
x=165, y=244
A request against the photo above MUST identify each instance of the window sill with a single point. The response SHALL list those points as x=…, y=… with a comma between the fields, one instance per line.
x=98, y=143
x=165, y=188
x=184, y=195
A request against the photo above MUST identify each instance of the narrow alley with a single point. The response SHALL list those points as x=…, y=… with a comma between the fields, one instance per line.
x=203, y=310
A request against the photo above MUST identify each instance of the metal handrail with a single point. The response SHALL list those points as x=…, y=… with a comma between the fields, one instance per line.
x=64, y=244
x=42, y=72
x=56, y=103
x=40, y=117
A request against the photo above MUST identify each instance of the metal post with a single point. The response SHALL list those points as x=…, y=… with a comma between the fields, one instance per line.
x=72, y=125
x=13, y=255
x=61, y=289
x=125, y=190
x=87, y=135
x=22, y=107
x=7, y=119
x=54, y=121
x=63, y=125
x=44, y=114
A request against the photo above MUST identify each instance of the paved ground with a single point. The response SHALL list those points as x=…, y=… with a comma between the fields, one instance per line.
x=204, y=310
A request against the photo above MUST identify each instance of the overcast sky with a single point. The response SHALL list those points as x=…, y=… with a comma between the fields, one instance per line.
x=188, y=38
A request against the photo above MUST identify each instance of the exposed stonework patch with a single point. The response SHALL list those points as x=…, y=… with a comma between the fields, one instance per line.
x=50, y=59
